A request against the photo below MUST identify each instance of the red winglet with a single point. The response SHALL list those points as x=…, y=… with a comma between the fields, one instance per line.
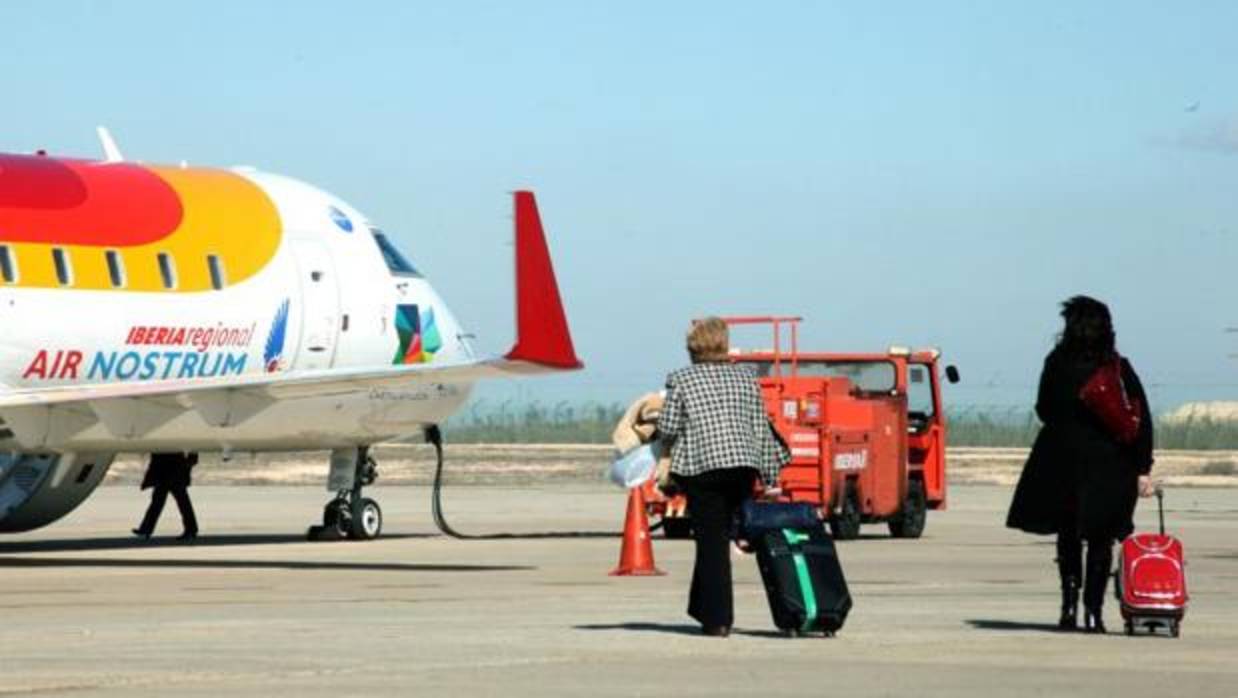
x=542, y=335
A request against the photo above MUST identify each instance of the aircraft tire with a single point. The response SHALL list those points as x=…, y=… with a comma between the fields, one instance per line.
x=366, y=520
x=337, y=518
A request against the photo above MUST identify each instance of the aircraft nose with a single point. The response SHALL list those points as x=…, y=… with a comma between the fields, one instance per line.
x=455, y=342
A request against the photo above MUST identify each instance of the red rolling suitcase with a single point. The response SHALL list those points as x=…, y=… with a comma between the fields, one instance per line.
x=1151, y=580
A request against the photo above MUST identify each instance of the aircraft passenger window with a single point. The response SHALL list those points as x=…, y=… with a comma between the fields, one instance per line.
x=63, y=273
x=167, y=269
x=115, y=268
x=396, y=262
x=216, y=267
x=7, y=268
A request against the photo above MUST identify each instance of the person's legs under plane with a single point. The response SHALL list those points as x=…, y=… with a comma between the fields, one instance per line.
x=188, y=519
x=158, y=497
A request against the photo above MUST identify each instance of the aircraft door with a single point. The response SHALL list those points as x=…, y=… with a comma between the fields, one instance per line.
x=320, y=306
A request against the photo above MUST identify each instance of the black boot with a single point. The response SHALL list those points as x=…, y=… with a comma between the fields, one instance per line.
x=1070, y=571
x=1069, y=619
x=1100, y=558
x=1092, y=622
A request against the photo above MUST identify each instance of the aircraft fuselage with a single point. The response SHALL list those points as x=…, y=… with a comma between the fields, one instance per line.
x=196, y=274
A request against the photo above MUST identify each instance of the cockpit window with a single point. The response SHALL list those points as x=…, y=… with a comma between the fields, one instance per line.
x=395, y=261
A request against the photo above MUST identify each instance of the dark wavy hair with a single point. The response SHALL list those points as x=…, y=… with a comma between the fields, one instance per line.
x=1088, y=334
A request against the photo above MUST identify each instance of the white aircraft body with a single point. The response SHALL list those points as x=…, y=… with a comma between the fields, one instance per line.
x=148, y=309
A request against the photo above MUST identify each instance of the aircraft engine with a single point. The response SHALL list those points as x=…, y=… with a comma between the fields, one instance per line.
x=37, y=489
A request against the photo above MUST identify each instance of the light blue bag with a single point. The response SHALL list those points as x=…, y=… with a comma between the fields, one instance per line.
x=634, y=468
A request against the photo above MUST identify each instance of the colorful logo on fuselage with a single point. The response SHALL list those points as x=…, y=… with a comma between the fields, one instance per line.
x=419, y=337
x=273, y=353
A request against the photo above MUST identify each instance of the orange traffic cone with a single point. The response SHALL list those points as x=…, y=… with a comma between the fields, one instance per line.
x=636, y=555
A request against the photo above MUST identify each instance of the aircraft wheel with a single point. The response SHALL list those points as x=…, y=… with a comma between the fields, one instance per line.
x=845, y=524
x=337, y=518
x=367, y=520
x=909, y=523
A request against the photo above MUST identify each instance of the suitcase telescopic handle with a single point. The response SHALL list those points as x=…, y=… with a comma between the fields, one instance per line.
x=1160, y=507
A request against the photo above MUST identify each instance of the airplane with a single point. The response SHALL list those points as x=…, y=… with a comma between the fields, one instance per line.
x=148, y=308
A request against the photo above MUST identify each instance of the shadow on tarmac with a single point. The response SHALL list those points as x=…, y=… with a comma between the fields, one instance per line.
x=776, y=634
x=984, y=624
x=296, y=565
x=673, y=628
x=538, y=535
x=135, y=543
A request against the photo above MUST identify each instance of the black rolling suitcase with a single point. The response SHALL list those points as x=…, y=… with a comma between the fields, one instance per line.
x=803, y=579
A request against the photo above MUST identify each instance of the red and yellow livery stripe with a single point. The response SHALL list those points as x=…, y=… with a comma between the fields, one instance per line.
x=140, y=211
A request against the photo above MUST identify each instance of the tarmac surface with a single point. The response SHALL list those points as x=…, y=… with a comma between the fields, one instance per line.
x=253, y=610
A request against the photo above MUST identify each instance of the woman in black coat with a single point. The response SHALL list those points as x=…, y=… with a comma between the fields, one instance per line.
x=1080, y=482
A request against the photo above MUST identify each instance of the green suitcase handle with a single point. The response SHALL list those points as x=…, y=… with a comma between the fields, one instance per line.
x=801, y=571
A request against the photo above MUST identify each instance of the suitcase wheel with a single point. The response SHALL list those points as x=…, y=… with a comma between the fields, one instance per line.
x=795, y=632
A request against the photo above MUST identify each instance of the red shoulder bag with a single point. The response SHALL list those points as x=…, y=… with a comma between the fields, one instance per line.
x=1104, y=393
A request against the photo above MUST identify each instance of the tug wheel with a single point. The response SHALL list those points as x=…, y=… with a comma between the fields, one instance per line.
x=676, y=527
x=909, y=523
x=845, y=524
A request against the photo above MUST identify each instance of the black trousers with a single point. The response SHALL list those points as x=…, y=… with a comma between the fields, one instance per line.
x=1099, y=561
x=714, y=499
x=158, y=497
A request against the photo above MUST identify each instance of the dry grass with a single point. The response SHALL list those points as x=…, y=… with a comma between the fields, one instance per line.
x=1179, y=468
x=1219, y=467
x=531, y=464
x=401, y=464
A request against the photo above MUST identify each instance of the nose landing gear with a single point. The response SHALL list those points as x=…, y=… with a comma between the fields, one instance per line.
x=349, y=514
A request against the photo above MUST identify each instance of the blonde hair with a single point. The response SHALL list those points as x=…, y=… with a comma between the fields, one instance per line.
x=708, y=340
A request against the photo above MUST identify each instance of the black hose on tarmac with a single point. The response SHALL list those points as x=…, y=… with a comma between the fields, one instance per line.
x=434, y=436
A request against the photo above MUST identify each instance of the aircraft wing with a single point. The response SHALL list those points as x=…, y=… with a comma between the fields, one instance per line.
x=543, y=345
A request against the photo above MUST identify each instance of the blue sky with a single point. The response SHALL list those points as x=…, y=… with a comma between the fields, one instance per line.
x=914, y=173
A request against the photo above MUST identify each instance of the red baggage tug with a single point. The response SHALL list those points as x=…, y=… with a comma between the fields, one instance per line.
x=867, y=433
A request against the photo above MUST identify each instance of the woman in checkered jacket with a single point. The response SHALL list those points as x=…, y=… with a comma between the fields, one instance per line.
x=721, y=441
